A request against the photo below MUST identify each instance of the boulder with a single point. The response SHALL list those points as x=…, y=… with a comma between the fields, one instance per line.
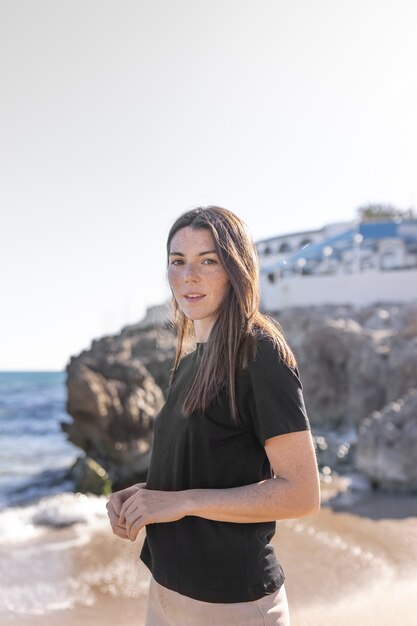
x=113, y=399
x=386, y=449
x=90, y=477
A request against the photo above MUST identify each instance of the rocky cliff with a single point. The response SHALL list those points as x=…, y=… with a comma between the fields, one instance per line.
x=353, y=363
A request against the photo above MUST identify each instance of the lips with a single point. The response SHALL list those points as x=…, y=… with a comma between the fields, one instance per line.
x=194, y=298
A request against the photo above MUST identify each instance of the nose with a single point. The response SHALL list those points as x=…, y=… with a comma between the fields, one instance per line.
x=190, y=273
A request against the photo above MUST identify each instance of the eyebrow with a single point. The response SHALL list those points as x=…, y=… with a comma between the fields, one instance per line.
x=199, y=254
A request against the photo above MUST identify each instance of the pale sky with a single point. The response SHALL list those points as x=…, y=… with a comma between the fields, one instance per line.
x=117, y=116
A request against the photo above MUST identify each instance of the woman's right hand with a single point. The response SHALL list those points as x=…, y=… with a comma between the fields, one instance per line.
x=114, y=504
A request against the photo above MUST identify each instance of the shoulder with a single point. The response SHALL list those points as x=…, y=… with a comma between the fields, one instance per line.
x=276, y=401
x=269, y=360
x=266, y=347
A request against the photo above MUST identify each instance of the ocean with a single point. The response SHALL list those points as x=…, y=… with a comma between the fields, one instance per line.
x=35, y=455
x=37, y=496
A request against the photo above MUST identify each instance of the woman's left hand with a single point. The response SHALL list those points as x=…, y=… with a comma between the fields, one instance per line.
x=148, y=506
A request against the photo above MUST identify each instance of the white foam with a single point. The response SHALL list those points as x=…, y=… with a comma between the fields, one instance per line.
x=21, y=523
x=41, y=598
x=121, y=578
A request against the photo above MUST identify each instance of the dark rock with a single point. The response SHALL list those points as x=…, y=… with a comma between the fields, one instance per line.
x=90, y=477
x=387, y=446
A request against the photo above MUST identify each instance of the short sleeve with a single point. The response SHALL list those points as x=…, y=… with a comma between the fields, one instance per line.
x=277, y=405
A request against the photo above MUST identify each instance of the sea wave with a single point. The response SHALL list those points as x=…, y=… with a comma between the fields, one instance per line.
x=21, y=523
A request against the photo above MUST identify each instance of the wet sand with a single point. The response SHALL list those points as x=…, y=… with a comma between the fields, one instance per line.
x=342, y=567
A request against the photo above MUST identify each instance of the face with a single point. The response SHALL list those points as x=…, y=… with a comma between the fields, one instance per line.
x=195, y=268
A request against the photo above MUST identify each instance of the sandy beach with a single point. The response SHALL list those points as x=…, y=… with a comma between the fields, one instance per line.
x=348, y=568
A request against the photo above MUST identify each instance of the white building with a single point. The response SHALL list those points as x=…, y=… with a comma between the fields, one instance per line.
x=342, y=263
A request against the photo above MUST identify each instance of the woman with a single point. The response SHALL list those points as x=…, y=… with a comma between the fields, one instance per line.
x=232, y=450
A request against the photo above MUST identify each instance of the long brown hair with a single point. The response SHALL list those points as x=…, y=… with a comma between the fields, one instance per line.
x=232, y=340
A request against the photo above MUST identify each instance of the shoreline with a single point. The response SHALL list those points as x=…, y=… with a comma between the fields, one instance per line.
x=350, y=493
x=340, y=567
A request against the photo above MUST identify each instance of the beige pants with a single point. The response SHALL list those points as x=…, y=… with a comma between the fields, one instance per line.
x=169, y=608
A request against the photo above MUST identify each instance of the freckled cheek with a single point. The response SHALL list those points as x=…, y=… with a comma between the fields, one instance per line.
x=178, y=274
x=173, y=278
x=212, y=278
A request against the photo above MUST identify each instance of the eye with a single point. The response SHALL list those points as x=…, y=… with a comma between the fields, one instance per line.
x=175, y=261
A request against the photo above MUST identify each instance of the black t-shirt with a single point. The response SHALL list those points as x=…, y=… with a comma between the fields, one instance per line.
x=211, y=560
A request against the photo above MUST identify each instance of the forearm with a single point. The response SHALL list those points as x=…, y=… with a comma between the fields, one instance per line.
x=269, y=500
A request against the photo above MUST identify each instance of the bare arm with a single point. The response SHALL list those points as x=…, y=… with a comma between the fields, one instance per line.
x=293, y=492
